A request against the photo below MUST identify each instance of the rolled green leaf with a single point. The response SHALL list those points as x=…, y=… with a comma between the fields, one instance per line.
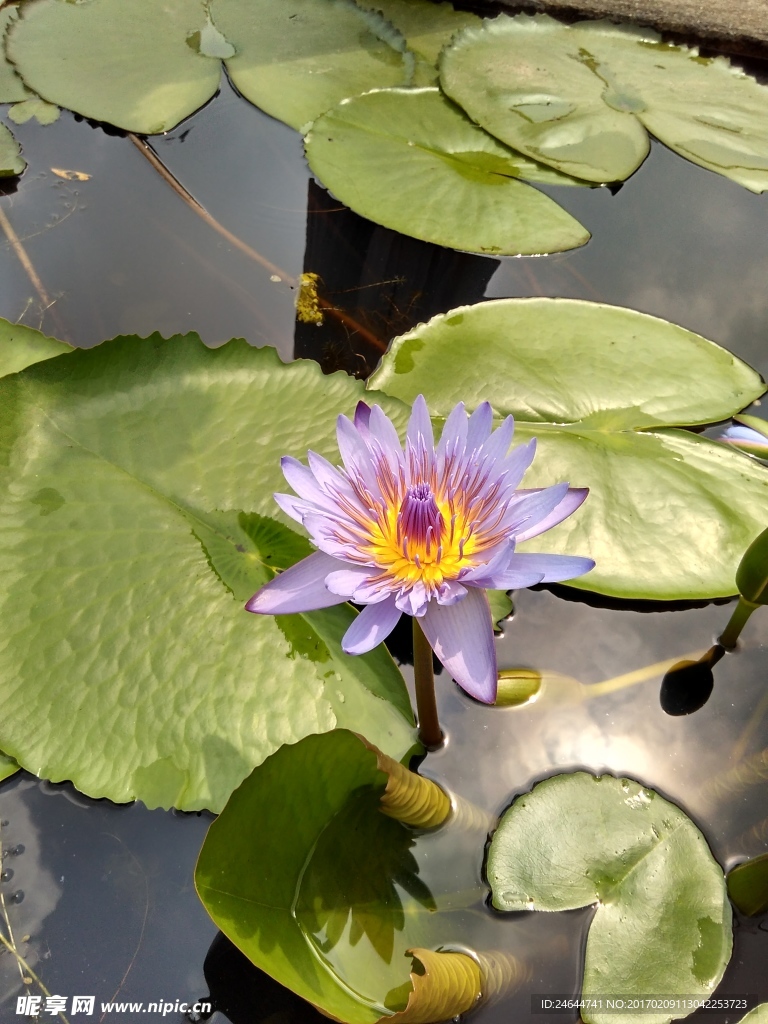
x=748, y=885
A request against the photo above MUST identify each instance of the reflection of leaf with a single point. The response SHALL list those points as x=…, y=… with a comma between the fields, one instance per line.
x=335, y=891
x=456, y=185
x=748, y=885
x=123, y=582
x=600, y=387
x=297, y=58
x=443, y=985
x=128, y=64
x=583, y=97
x=663, y=921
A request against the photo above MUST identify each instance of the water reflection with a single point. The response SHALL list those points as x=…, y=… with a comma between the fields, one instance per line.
x=662, y=246
x=379, y=284
x=688, y=685
x=29, y=893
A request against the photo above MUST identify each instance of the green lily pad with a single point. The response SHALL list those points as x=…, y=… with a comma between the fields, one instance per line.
x=757, y=1016
x=12, y=89
x=426, y=26
x=582, y=98
x=501, y=606
x=752, y=573
x=133, y=65
x=409, y=159
x=22, y=346
x=11, y=160
x=663, y=921
x=8, y=767
x=137, y=480
x=748, y=885
x=304, y=873
x=297, y=58
x=669, y=514
x=43, y=113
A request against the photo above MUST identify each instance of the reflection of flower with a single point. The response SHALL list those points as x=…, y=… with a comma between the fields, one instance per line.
x=746, y=439
x=421, y=530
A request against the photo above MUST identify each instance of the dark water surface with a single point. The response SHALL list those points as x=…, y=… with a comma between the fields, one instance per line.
x=105, y=893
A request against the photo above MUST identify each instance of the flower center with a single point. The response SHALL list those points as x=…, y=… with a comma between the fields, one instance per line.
x=420, y=524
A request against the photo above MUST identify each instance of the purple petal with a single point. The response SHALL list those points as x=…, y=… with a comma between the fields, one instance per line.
x=362, y=415
x=497, y=445
x=345, y=582
x=374, y=624
x=553, y=568
x=497, y=562
x=461, y=635
x=373, y=590
x=299, y=589
x=383, y=431
x=454, y=436
x=479, y=427
x=294, y=507
x=419, y=431
x=572, y=500
x=413, y=601
x=532, y=509
x=303, y=481
x=355, y=453
x=507, y=579
x=516, y=464
x=450, y=592
x=328, y=476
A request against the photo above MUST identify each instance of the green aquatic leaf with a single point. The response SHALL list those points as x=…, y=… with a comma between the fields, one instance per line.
x=748, y=885
x=22, y=346
x=131, y=65
x=304, y=874
x=43, y=113
x=12, y=89
x=752, y=573
x=297, y=58
x=409, y=159
x=126, y=561
x=426, y=26
x=501, y=606
x=663, y=920
x=8, y=767
x=11, y=160
x=757, y=1016
x=582, y=98
x=669, y=513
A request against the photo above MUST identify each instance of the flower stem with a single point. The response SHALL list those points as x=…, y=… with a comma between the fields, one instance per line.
x=430, y=733
x=737, y=622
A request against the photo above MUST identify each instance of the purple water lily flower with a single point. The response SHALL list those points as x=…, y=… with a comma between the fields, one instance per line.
x=423, y=530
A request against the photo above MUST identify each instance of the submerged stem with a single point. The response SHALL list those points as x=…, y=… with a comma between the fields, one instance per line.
x=737, y=622
x=430, y=733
